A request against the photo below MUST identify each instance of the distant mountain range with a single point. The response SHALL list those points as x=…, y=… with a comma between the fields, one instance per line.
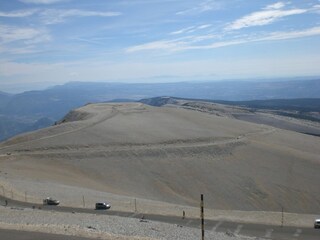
x=32, y=110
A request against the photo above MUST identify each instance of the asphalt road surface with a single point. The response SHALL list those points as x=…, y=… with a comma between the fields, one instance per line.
x=246, y=229
x=20, y=235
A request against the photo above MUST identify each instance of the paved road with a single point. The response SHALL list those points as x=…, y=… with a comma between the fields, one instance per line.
x=247, y=229
x=20, y=235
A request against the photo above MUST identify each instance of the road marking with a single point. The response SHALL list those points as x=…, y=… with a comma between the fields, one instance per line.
x=297, y=233
x=238, y=229
x=268, y=233
x=216, y=226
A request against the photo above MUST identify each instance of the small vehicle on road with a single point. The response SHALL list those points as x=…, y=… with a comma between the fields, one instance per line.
x=50, y=201
x=317, y=223
x=102, y=206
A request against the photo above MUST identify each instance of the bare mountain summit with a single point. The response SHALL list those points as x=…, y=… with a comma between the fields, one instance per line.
x=171, y=154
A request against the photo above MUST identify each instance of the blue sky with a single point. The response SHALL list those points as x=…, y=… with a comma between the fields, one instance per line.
x=49, y=42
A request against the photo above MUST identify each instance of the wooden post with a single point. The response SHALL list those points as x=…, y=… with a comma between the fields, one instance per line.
x=135, y=205
x=25, y=196
x=11, y=194
x=282, y=216
x=202, y=218
x=3, y=191
x=84, y=204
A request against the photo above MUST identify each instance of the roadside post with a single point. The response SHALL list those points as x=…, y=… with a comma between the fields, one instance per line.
x=202, y=218
x=282, y=216
x=3, y=191
x=135, y=205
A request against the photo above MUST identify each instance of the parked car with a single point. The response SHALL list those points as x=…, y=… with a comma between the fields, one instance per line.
x=50, y=201
x=317, y=223
x=102, y=205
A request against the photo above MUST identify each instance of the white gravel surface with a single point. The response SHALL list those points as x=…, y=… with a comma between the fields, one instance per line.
x=99, y=226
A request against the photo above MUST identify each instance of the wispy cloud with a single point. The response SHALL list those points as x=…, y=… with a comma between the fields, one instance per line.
x=277, y=5
x=293, y=34
x=173, y=45
x=204, y=26
x=178, y=44
x=184, y=44
x=270, y=37
x=18, y=50
x=267, y=16
x=316, y=8
x=43, y=1
x=190, y=29
x=11, y=34
x=53, y=16
x=18, y=14
x=88, y=41
x=183, y=30
x=204, y=6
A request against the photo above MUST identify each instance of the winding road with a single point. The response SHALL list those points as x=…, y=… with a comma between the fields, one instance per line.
x=231, y=228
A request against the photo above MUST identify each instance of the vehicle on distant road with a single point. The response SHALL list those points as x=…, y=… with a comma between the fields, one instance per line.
x=50, y=201
x=317, y=223
x=102, y=205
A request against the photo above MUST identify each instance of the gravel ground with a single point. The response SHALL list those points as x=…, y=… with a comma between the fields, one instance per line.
x=99, y=226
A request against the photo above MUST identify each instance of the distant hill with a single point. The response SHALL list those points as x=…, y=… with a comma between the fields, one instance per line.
x=167, y=154
x=301, y=104
x=55, y=102
x=4, y=98
x=305, y=108
x=12, y=125
x=4, y=94
x=278, y=113
x=298, y=104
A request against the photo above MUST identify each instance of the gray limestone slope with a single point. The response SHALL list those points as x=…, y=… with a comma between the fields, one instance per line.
x=171, y=154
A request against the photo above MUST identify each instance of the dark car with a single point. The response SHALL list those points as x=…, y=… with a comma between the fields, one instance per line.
x=317, y=223
x=102, y=205
x=50, y=201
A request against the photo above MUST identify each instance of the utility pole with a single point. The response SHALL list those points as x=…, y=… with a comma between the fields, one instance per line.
x=202, y=218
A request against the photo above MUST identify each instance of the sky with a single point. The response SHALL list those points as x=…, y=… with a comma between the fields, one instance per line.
x=49, y=42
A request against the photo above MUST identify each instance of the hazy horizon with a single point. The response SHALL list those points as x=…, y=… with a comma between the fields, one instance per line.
x=49, y=42
x=17, y=88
